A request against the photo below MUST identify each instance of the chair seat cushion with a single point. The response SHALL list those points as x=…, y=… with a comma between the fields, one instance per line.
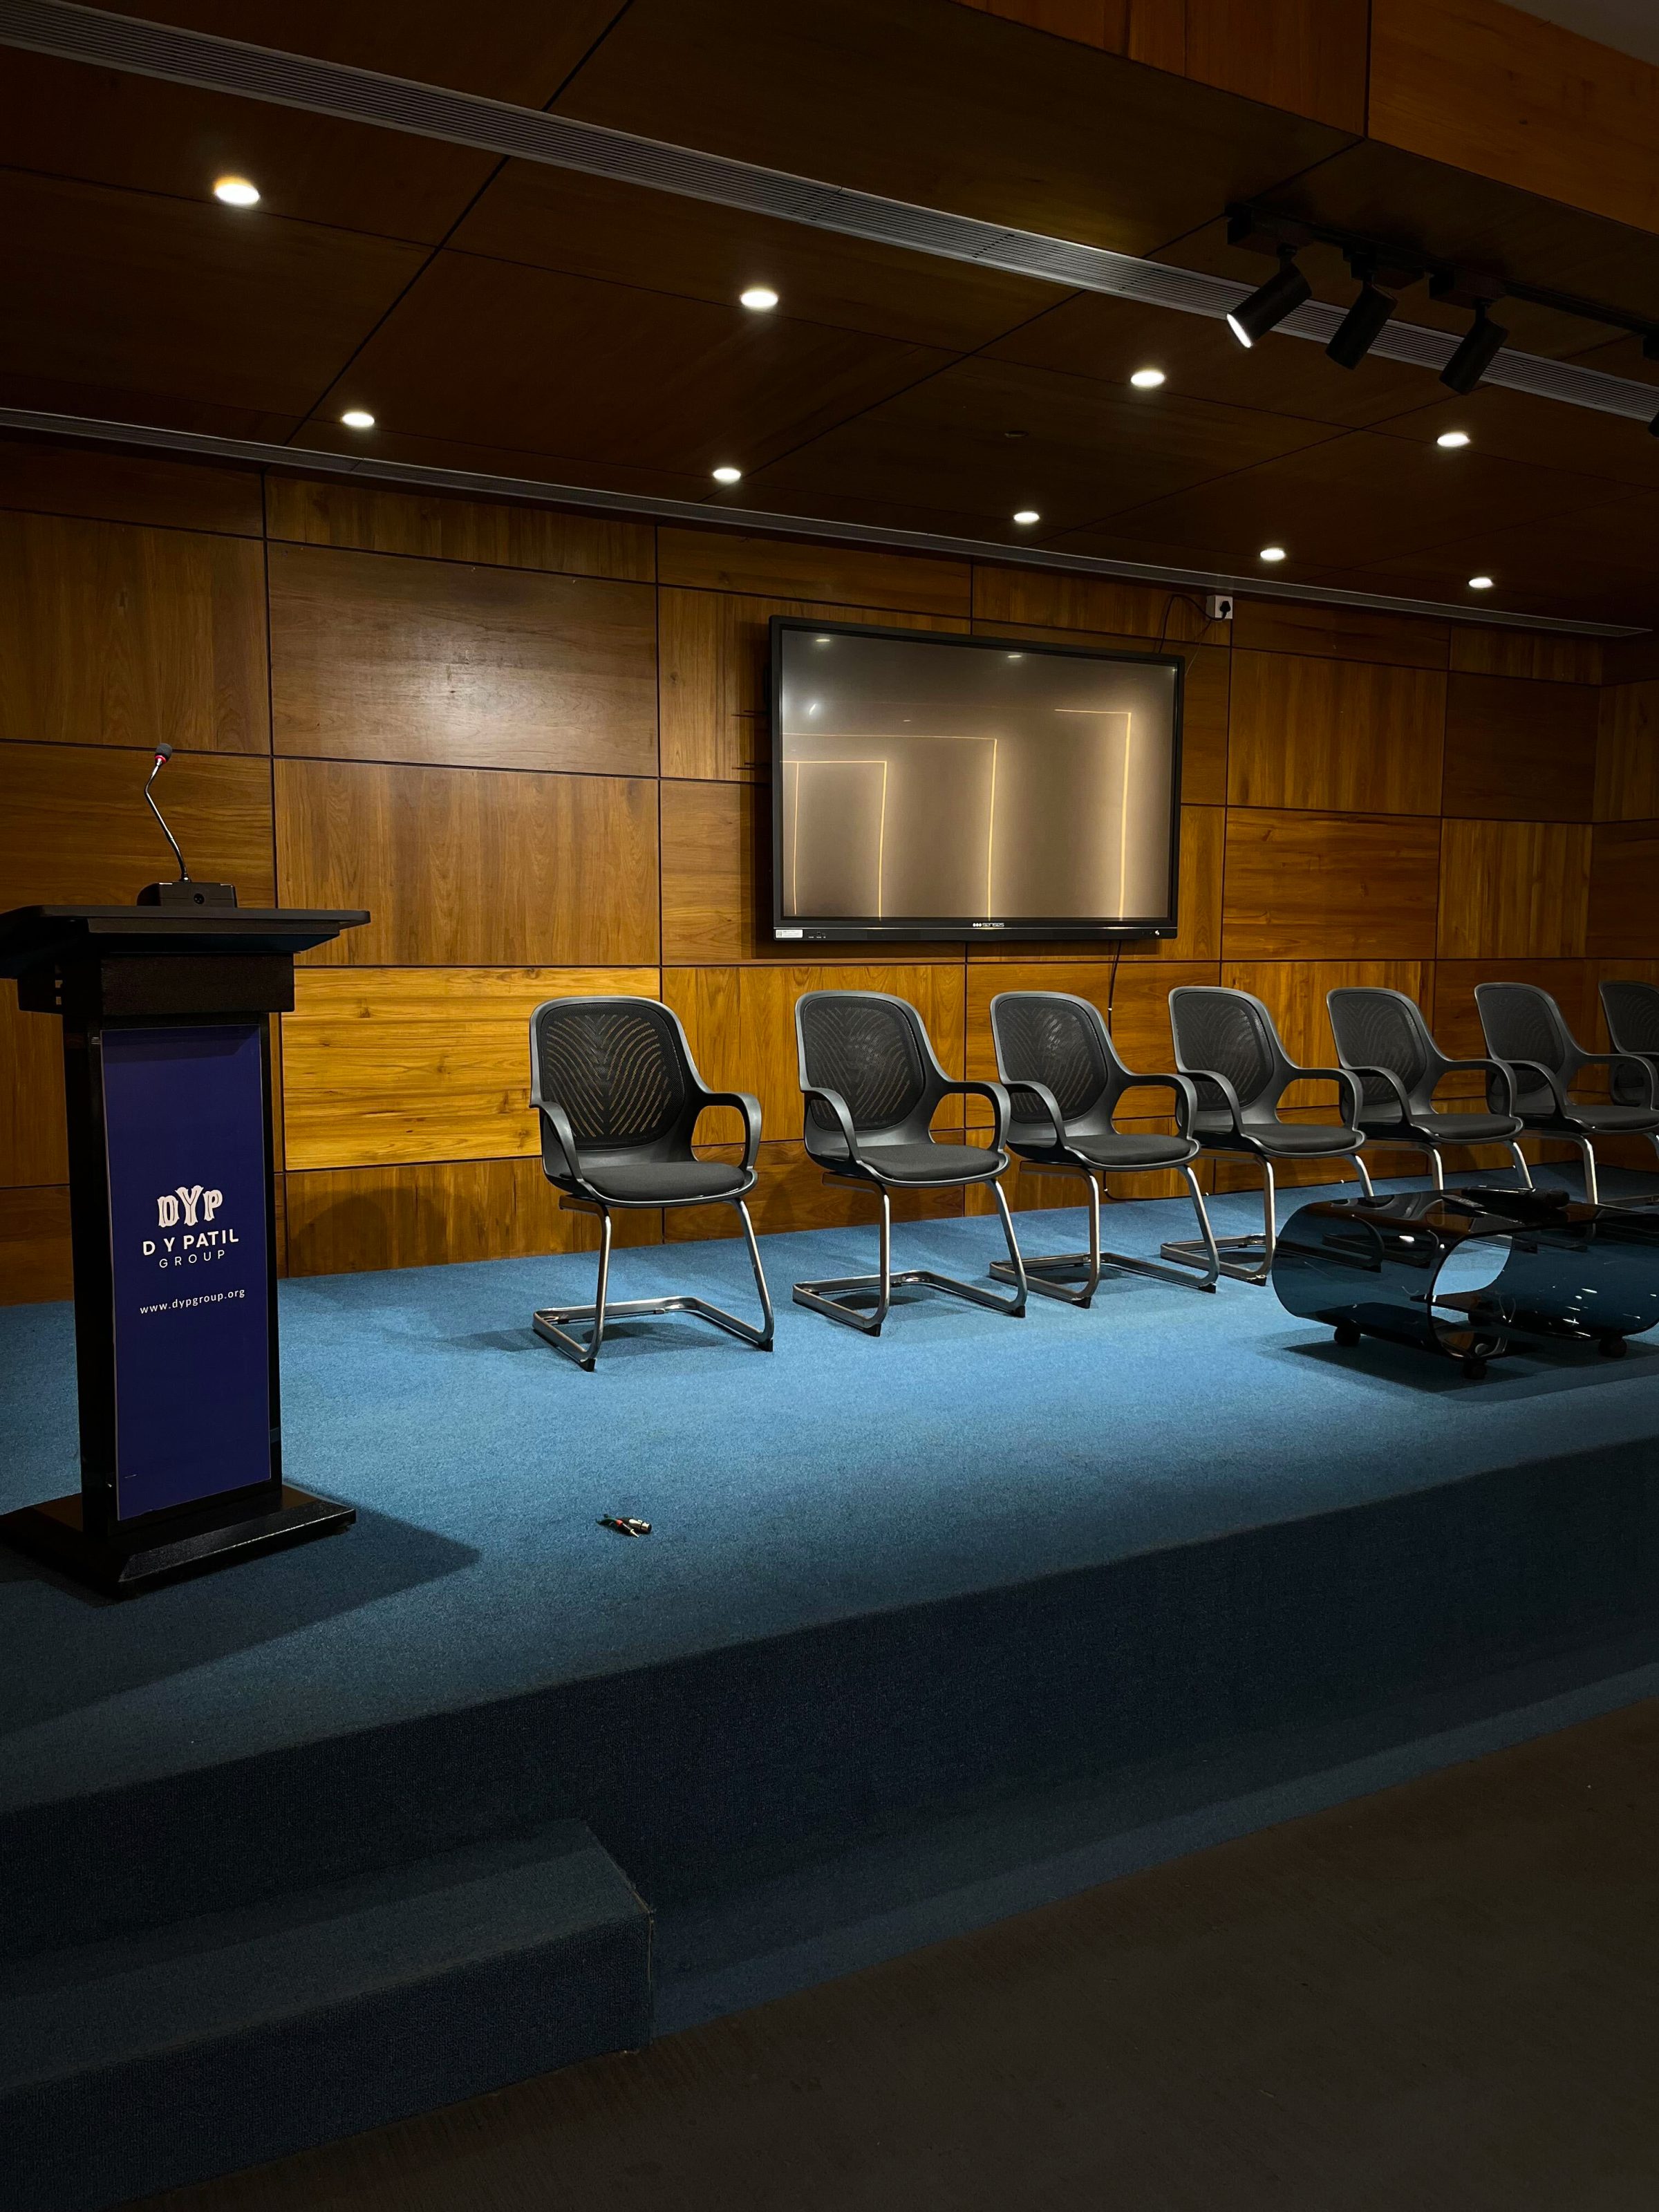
x=1279, y=1139
x=666, y=1183
x=1449, y=1128
x=926, y=1163
x=1629, y=1121
x=1121, y=1149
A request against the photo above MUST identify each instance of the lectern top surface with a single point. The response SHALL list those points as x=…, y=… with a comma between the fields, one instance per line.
x=30, y=934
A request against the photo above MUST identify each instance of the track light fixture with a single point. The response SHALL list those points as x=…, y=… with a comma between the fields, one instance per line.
x=1361, y=327
x=1482, y=344
x=1284, y=291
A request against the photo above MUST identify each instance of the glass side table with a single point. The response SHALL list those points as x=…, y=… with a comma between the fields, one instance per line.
x=1465, y=1273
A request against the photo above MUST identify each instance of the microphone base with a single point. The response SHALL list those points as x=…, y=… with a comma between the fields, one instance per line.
x=191, y=895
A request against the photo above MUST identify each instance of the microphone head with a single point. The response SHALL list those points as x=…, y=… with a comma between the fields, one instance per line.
x=164, y=752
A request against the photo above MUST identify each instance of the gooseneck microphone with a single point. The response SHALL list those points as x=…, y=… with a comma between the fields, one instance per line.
x=185, y=891
x=163, y=755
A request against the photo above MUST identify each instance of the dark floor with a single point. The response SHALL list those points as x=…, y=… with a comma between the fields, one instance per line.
x=1444, y=1995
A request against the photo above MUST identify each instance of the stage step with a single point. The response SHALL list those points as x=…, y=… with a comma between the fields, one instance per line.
x=188, y=2050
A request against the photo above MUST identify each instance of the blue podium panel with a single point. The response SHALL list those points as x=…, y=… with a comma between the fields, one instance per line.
x=184, y=1135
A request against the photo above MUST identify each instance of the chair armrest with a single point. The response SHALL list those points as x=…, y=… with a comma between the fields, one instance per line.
x=554, y=1118
x=1045, y=1099
x=1345, y=1082
x=999, y=1098
x=1545, y=1075
x=749, y=1107
x=837, y=1106
x=1185, y=1089
x=1487, y=1066
x=1386, y=1075
x=1229, y=1096
x=1636, y=1060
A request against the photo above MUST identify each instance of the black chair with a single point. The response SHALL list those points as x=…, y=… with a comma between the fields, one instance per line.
x=871, y=1085
x=1065, y=1083
x=1525, y=1030
x=1226, y=1041
x=1383, y=1040
x=1632, y=1018
x=619, y=1098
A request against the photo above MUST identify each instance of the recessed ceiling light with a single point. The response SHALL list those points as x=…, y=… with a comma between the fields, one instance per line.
x=1026, y=516
x=820, y=641
x=1480, y=583
x=236, y=191
x=1451, y=439
x=760, y=297
x=728, y=475
x=1273, y=553
x=358, y=418
x=1147, y=380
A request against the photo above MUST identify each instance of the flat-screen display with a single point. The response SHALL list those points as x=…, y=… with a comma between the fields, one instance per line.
x=926, y=785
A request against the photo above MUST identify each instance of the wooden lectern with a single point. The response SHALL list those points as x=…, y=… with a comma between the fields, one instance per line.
x=166, y=1010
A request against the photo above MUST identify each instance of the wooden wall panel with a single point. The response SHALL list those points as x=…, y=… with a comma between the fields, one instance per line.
x=772, y=568
x=34, y=1246
x=741, y=1024
x=1101, y=23
x=33, y=1147
x=1341, y=634
x=1526, y=652
x=1624, y=897
x=379, y=657
x=1309, y=56
x=1513, y=890
x=388, y=1066
x=1329, y=886
x=714, y=839
x=716, y=661
x=1484, y=86
x=1335, y=735
x=1627, y=753
x=59, y=479
x=357, y=1218
x=1519, y=750
x=113, y=635
x=473, y=867
x=369, y=518
x=1049, y=600
x=74, y=826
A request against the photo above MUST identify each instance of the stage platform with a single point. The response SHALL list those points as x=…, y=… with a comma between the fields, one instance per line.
x=912, y=1611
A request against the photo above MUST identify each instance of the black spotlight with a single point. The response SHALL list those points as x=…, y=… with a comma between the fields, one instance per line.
x=1362, y=325
x=1268, y=305
x=1483, y=342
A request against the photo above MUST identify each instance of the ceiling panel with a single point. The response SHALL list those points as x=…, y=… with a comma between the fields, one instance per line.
x=1357, y=498
x=524, y=358
x=1595, y=560
x=125, y=291
x=64, y=120
x=936, y=104
x=591, y=227
x=518, y=51
x=985, y=438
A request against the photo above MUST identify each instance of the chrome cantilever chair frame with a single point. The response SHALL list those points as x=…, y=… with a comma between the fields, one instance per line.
x=1412, y=1131
x=1048, y=1271
x=1282, y=1074
x=561, y=1159
x=840, y=1297
x=1562, y=1120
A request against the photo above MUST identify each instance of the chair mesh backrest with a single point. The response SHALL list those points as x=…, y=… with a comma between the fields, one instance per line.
x=1633, y=1012
x=1375, y=1029
x=1523, y=1023
x=867, y=1051
x=1044, y=1038
x=616, y=1067
x=1222, y=1029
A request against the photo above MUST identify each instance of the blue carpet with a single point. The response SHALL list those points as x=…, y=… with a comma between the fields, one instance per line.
x=836, y=1478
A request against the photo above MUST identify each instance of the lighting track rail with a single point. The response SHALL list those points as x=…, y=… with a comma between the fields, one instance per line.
x=315, y=461
x=106, y=40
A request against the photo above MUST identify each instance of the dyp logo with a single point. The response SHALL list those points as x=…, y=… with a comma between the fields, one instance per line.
x=169, y=1204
